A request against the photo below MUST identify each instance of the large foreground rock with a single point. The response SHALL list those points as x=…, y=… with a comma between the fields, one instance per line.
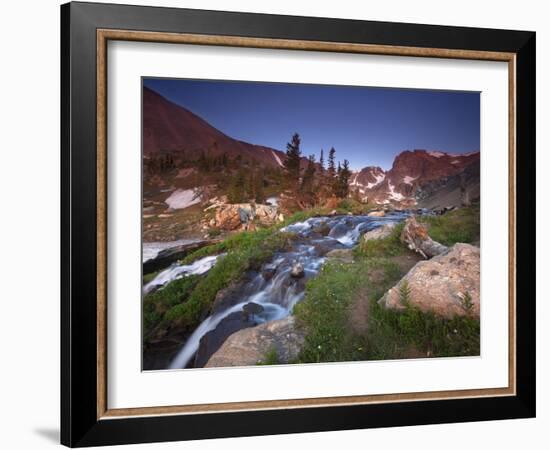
x=416, y=237
x=249, y=346
x=447, y=284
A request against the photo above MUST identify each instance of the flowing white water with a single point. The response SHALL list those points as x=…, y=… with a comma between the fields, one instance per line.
x=351, y=237
x=176, y=271
x=278, y=294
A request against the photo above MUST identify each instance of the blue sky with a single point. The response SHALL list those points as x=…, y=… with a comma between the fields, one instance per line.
x=367, y=126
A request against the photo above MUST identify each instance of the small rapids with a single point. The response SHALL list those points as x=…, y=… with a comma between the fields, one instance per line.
x=274, y=290
x=176, y=271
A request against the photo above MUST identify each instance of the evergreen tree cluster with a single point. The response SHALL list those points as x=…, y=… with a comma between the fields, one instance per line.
x=159, y=164
x=246, y=184
x=209, y=163
x=315, y=183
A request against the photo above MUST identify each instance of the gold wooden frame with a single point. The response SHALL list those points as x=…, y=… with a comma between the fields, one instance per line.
x=103, y=36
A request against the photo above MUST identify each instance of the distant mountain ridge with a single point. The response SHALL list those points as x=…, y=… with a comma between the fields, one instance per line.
x=410, y=172
x=170, y=127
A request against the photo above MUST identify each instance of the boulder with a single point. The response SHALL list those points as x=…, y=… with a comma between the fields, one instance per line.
x=251, y=309
x=447, y=284
x=321, y=228
x=268, y=270
x=341, y=255
x=233, y=216
x=379, y=233
x=249, y=346
x=416, y=237
x=376, y=214
x=228, y=218
x=267, y=214
x=323, y=246
x=297, y=270
x=338, y=231
x=214, y=339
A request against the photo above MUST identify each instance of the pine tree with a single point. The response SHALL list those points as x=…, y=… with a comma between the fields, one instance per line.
x=237, y=187
x=259, y=188
x=308, y=180
x=342, y=180
x=331, y=171
x=322, y=163
x=292, y=162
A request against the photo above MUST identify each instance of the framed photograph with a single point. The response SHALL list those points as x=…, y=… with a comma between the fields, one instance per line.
x=276, y=224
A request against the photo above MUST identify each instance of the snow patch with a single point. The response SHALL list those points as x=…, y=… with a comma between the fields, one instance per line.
x=353, y=181
x=273, y=201
x=409, y=180
x=277, y=158
x=394, y=195
x=378, y=179
x=436, y=154
x=183, y=198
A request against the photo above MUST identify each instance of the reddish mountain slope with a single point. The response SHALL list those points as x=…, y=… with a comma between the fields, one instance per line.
x=170, y=127
x=410, y=171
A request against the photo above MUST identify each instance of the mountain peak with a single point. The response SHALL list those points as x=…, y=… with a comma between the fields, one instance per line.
x=411, y=169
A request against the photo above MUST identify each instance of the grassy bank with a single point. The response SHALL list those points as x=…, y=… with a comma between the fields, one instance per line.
x=460, y=225
x=343, y=321
x=183, y=303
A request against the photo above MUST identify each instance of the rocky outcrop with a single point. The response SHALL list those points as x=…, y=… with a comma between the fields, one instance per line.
x=379, y=233
x=447, y=284
x=453, y=191
x=376, y=214
x=234, y=216
x=211, y=342
x=416, y=237
x=415, y=176
x=249, y=346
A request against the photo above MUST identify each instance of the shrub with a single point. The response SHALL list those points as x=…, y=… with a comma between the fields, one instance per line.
x=270, y=358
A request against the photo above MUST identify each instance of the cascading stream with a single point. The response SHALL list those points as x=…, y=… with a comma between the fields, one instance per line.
x=279, y=291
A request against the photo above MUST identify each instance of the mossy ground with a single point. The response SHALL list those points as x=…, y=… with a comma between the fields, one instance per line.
x=459, y=225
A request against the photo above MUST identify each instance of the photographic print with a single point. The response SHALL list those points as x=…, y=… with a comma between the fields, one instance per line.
x=294, y=223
